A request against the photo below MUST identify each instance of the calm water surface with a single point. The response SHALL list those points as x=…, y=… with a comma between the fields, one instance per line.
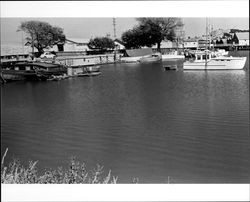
x=138, y=121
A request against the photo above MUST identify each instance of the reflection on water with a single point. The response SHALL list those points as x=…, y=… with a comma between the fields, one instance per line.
x=137, y=120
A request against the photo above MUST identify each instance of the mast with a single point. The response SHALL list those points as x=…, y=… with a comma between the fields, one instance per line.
x=32, y=45
x=206, y=45
x=114, y=24
x=22, y=42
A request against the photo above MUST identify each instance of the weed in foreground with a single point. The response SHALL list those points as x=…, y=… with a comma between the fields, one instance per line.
x=76, y=173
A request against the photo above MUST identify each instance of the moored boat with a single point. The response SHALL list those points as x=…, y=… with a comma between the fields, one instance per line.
x=31, y=70
x=136, y=55
x=203, y=60
x=130, y=59
x=57, y=78
x=152, y=58
x=89, y=74
x=170, y=67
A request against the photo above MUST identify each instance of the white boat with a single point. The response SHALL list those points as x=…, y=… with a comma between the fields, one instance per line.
x=89, y=74
x=138, y=55
x=156, y=57
x=204, y=61
x=130, y=59
x=173, y=55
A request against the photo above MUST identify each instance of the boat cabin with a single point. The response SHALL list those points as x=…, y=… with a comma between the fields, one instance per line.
x=203, y=56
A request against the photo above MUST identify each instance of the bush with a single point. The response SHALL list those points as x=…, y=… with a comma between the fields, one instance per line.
x=15, y=173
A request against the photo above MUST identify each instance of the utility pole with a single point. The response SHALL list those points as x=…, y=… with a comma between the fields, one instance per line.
x=114, y=25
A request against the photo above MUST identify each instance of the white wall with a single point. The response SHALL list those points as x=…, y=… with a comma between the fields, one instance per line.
x=75, y=47
x=244, y=42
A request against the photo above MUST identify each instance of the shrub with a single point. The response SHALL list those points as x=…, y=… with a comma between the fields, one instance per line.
x=76, y=173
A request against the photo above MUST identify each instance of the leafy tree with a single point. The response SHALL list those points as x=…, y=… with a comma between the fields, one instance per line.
x=101, y=43
x=42, y=35
x=151, y=31
x=133, y=38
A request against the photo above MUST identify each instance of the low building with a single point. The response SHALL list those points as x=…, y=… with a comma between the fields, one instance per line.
x=243, y=38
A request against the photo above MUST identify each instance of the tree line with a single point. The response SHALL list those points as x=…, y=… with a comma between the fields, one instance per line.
x=148, y=32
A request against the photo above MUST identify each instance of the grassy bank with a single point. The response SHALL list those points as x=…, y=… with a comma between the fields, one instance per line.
x=76, y=173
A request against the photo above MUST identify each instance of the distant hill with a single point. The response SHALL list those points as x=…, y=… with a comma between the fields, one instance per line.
x=237, y=30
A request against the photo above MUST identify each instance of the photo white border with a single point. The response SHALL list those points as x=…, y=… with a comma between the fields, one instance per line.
x=128, y=192
x=239, y=8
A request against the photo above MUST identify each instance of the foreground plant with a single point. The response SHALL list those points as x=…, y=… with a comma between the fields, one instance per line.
x=15, y=173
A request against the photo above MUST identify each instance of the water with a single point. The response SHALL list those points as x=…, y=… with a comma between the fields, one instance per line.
x=14, y=49
x=138, y=121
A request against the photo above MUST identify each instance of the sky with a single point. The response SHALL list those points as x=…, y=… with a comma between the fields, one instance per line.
x=93, y=27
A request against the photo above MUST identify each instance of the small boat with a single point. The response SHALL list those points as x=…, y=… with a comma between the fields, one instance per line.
x=130, y=59
x=136, y=55
x=203, y=60
x=91, y=69
x=57, y=78
x=152, y=58
x=89, y=74
x=172, y=56
x=173, y=67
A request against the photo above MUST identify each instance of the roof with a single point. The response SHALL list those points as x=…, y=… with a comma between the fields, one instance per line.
x=78, y=40
x=139, y=52
x=242, y=35
x=119, y=41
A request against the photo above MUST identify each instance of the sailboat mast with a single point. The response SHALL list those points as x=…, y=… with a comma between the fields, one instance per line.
x=206, y=33
x=206, y=45
x=114, y=25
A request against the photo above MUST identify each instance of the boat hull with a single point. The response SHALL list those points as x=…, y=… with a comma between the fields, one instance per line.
x=172, y=57
x=130, y=59
x=89, y=74
x=157, y=57
x=223, y=63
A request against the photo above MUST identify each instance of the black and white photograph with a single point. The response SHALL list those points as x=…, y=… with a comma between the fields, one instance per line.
x=117, y=95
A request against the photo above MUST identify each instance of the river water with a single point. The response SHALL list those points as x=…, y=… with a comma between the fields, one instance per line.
x=137, y=120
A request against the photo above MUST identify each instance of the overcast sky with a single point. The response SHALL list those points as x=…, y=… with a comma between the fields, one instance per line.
x=92, y=27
